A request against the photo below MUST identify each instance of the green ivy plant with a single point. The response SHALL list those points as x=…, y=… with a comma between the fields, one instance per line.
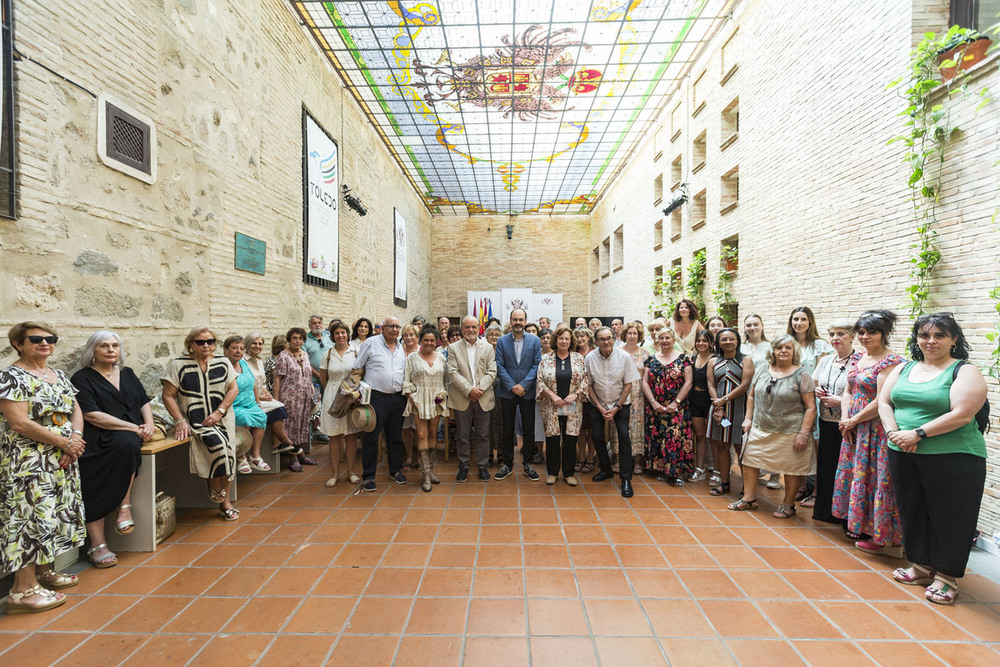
x=696, y=280
x=666, y=291
x=928, y=132
x=723, y=292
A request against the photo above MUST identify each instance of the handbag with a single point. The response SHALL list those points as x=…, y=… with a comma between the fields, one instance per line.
x=160, y=428
x=166, y=516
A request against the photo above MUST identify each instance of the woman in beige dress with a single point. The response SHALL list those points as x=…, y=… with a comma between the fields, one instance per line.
x=198, y=392
x=423, y=384
x=410, y=339
x=781, y=409
x=686, y=325
x=336, y=365
x=633, y=337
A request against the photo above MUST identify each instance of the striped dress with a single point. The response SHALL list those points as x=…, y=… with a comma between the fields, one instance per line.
x=729, y=376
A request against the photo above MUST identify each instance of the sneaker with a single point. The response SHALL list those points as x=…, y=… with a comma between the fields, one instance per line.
x=484, y=474
x=530, y=472
x=503, y=473
x=398, y=478
x=774, y=481
x=369, y=486
x=463, y=474
x=697, y=475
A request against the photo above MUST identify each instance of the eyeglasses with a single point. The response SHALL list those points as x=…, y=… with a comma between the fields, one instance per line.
x=771, y=384
x=204, y=341
x=37, y=340
x=390, y=326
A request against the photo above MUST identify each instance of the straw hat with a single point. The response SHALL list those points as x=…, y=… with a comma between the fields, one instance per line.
x=363, y=418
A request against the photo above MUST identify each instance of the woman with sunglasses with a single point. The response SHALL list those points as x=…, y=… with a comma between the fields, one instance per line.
x=781, y=409
x=41, y=438
x=198, y=392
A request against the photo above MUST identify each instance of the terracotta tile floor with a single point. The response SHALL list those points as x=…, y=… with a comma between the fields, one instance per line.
x=510, y=572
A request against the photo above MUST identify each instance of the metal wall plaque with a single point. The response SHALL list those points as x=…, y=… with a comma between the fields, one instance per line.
x=250, y=253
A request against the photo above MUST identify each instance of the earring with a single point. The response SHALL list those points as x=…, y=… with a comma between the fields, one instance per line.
x=954, y=347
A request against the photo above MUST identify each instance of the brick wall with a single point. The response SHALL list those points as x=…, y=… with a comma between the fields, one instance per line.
x=823, y=217
x=225, y=84
x=545, y=253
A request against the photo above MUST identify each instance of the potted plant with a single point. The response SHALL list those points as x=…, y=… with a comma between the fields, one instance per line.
x=962, y=49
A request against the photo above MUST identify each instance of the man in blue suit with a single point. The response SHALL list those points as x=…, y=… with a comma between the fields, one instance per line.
x=517, y=355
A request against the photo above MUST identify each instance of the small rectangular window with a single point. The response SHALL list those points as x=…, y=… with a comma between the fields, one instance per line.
x=595, y=264
x=729, y=57
x=606, y=257
x=729, y=254
x=730, y=123
x=619, y=248
x=676, y=173
x=698, y=93
x=658, y=234
x=657, y=144
x=730, y=190
x=699, y=151
x=657, y=189
x=675, y=225
x=676, y=123
x=698, y=209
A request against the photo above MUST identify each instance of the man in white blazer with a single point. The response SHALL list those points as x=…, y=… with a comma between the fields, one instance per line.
x=472, y=368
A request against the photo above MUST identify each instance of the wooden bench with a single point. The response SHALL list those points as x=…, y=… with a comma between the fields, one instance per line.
x=166, y=467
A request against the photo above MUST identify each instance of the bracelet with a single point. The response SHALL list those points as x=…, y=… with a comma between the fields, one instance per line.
x=180, y=421
x=77, y=432
x=805, y=432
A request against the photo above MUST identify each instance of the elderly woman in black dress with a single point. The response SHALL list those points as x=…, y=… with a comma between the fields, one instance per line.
x=117, y=420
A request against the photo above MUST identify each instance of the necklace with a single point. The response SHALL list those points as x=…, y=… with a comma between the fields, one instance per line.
x=42, y=373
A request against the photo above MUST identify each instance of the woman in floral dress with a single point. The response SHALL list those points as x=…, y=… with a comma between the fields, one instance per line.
x=423, y=385
x=862, y=493
x=666, y=381
x=41, y=438
x=293, y=387
x=633, y=337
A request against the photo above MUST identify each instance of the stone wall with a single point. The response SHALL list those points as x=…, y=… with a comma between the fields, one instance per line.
x=225, y=84
x=823, y=216
x=547, y=253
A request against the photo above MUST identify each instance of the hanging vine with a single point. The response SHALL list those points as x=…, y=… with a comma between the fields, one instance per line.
x=696, y=280
x=929, y=131
x=723, y=292
x=666, y=291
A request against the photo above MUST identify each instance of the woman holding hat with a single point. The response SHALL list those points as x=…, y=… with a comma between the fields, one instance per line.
x=336, y=365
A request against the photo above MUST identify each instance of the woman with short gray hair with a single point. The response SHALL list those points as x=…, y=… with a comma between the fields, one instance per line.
x=831, y=381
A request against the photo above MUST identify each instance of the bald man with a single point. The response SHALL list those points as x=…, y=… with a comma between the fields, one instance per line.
x=472, y=368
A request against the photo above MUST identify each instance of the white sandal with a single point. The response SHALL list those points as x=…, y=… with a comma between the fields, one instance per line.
x=259, y=464
x=48, y=600
x=243, y=467
x=125, y=526
x=53, y=580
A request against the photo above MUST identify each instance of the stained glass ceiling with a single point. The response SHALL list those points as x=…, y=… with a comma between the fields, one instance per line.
x=511, y=106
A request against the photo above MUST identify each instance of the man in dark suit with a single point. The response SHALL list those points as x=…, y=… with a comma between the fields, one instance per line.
x=517, y=357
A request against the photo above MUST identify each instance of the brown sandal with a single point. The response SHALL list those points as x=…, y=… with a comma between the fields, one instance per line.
x=53, y=580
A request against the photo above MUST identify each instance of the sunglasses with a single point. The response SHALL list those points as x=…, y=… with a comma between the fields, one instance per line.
x=37, y=340
x=771, y=384
x=206, y=341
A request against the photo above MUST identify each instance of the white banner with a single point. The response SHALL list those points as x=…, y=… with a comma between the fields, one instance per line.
x=515, y=298
x=322, y=219
x=546, y=305
x=399, y=295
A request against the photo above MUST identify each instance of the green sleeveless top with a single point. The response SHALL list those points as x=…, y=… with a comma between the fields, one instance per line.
x=917, y=403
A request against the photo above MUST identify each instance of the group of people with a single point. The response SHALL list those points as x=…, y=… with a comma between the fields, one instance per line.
x=867, y=439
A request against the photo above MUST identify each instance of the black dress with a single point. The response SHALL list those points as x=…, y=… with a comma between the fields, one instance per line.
x=110, y=458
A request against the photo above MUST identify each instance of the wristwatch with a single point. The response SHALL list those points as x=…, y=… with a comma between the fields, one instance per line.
x=222, y=411
x=921, y=433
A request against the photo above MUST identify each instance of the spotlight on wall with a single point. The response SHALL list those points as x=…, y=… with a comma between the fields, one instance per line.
x=353, y=201
x=678, y=201
x=510, y=231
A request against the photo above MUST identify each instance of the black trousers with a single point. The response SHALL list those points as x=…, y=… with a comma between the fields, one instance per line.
x=938, y=497
x=553, y=455
x=827, y=458
x=601, y=445
x=508, y=407
x=389, y=416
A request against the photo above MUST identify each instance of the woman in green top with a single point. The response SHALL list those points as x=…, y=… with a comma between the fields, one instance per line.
x=937, y=456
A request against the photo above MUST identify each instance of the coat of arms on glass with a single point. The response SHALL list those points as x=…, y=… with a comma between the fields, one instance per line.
x=512, y=106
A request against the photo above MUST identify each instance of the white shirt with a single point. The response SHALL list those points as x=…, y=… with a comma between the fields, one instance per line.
x=608, y=376
x=383, y=367
x=473, y=351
